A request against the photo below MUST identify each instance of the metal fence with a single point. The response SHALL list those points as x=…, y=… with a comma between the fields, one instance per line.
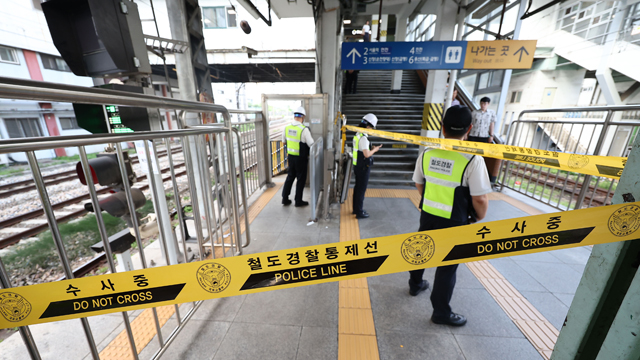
x=597, y=130
x=204, y=189
x=279, y=163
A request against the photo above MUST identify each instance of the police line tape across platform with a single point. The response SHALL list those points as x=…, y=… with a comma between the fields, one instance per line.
x=289, y=268
x=606, y=166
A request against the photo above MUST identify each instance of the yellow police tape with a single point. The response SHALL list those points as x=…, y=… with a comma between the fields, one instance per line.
x=606, y=166
x=282, y=269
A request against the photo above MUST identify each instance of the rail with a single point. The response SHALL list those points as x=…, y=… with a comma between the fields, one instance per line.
x=199, y=159
x=593, y=130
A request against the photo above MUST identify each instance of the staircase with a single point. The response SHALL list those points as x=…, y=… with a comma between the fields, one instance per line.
x=394, y=163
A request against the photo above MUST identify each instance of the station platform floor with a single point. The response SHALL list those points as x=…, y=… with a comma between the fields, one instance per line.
x=515, y=306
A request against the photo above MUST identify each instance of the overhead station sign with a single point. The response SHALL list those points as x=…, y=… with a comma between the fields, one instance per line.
x=438, y=55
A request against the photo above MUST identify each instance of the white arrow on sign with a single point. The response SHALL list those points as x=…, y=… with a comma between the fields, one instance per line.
x=353, y=52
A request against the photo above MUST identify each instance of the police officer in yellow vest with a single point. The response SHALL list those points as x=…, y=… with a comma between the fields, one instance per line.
x=362, y=161
x=454, y=188
x=298, y=139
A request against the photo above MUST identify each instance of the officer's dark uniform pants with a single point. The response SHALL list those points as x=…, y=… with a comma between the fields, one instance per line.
x=297, y=170
x=362, y=180
x=444, y=281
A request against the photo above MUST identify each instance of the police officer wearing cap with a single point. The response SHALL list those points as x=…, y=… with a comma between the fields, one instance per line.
x=454, y=188
x=298, y=139
x=362, y=161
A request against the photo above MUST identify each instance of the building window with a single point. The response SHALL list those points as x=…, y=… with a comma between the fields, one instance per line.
x=69, y=123
x=588, y=19
x=8, y=55
x=23, y=128
x=54, y=63
x=219, y=17
x=515, y=97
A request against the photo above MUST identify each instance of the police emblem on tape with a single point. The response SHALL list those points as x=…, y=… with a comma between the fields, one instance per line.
x=418, y=249
x=14, y=307
x=625, y=221
x=213, y=277
x=577, y=161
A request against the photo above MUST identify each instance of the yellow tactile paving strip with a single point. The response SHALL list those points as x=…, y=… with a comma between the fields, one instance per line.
x=531, y=322
x=356, y=331
x=143, y=326
x=533, y=325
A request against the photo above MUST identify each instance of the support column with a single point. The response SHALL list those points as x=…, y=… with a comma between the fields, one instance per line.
x=329, y=62
x=375, y=22
x=437, y=79
x=188, y=88
x=504, y=92
x=384, y=24
x=396, y=75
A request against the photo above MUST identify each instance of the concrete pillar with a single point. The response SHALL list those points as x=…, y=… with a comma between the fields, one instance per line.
x=396, y=75
x=384, y=23
x=329, y=60
x=504, y=92
x=437, y=80
x=375, y=22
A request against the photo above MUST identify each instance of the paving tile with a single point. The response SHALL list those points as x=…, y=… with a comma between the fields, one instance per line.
x=577, y=256
x=259, y=341
x=267, y=224
x=516, y=275
x=500, y=210
x=395, y=310
x=549, y=306
x=318, y=343
x=485, y=317
x=296, y=239
x=261, y=241
x=536, y=257
x=277, y=307
x=554, y=277
x=496, y=348
x=566, y=299
x=408, y=345
x=223, y=309
x=198, y=340
x=298, y=224
x=465, y=279
x=321, y=306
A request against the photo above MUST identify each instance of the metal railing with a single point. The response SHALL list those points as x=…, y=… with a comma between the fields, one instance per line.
x=596, y=130
x=316, y=166
x=206, y=171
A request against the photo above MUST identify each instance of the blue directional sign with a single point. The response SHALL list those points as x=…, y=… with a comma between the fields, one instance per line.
x=438, y=55
x=403, y=55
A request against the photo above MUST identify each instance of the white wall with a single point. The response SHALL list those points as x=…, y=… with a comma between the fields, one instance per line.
x=289, y=33
x=24, y=27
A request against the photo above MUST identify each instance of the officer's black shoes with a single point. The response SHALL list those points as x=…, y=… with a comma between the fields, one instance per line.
x=453, y=320
x=363, y=215
x=414, y=291
x=286, y=202
x=301, y=204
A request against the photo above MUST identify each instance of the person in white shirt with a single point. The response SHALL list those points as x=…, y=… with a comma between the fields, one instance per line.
x=366, y=32
x=298, y=139
x=362, y=161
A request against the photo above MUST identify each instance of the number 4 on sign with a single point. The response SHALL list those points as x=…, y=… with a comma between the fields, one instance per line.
x=413, y=50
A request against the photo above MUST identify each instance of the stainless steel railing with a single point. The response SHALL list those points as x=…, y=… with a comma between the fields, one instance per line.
x=595, y=130
x=316, y=162
x=201, y=146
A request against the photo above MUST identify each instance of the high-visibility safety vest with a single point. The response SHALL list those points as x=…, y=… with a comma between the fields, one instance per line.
x=356, y=152
x=444, y=195
x=294, y=138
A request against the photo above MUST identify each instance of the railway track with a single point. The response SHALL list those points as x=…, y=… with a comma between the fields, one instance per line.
x=79, y=211
x=602, y=196
x=23, y=186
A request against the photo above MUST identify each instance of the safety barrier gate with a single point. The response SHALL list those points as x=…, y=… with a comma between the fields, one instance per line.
x=203, y=188
x=594, y=130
